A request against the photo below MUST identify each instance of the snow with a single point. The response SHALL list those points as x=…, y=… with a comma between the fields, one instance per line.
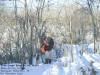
x=81, y=63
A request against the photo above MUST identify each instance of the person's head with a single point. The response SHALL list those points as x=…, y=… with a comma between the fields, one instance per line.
x=47, y=34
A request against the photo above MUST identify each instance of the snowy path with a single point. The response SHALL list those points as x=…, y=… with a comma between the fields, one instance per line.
x=56, y=68
x=47, y=69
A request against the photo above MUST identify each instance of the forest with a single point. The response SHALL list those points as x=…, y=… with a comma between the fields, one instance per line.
x=70, y=22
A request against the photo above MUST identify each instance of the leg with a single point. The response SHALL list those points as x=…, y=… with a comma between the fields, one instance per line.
x=43, y=57
x=46, y=56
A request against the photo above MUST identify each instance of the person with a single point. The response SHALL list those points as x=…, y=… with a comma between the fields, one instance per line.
x=47, y=45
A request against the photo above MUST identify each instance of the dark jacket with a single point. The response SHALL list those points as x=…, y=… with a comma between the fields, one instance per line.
x=50, y=43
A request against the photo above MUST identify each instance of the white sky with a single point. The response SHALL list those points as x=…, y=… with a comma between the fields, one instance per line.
x=32, y=3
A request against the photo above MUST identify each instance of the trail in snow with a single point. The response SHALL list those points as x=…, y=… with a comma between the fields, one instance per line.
x=56, y=68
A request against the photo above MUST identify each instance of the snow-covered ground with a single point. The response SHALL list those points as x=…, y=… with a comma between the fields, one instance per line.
x=55, y=68
x=83, y=65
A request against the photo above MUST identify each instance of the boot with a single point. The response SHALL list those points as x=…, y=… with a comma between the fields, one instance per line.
x=46, y=61
x=49, y=61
